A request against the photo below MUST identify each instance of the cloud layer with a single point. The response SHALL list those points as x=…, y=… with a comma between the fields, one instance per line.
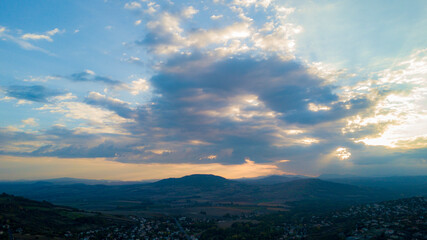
x=223, y=87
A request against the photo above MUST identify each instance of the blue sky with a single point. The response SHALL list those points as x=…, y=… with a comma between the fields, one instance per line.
x=134, y=90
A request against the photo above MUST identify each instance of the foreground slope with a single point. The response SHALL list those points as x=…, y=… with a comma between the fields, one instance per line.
x=21, y=216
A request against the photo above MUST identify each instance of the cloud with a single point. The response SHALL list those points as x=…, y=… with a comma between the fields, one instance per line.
x=248, y=3
x=238, y=108
x=216, y=17
x=398, y=117
x=34, y=93
x=30, y=122
x=138, y=86
x=284, y=87
x=90, y=76
x=120, y=107
x=96, y=120
x=132, y=5
x=32, y=36
x=46, y=36
x=22, y=43
x=166, y=35
x=189, y=12
x=168, y=32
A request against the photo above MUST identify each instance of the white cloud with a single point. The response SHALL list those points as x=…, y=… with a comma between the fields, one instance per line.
x=209, y=157
x=317, y=107
x=32, y=36
x=137, y=22
x=88, y=71
x=23, y=102
x=189, y=12
x=40, y=79
x=30, y=122
x=96, y=120
x=98, y=96
x=203, y=38
x=54, y=31
x=21, y=42
x=216, y=17
x=138, y=86
x=280, y=40
x=256, y=3
x=132, y=5
x=68, y=96
x=159, y=151
x=46, y=36
x=275, y=37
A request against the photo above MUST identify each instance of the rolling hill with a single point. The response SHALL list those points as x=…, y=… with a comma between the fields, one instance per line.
x=193, y=189
x=43, y=220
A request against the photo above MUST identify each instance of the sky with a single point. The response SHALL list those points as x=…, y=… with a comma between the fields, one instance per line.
x=134, y=90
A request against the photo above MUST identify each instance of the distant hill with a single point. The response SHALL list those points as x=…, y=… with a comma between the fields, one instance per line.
x=405, y=185
x=211, y=189
x=67, y=181
x=195, y=180
x=335, y=176
x=272, y=179
x=308, y=189
x=48, y=221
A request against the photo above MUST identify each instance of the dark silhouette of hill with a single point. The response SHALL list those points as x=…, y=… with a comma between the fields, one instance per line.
x=67, y=181
x=49, y=220
x=405, y=185
x=272, y=179
x=306, y=189
x=195, y=180
x=201, y=188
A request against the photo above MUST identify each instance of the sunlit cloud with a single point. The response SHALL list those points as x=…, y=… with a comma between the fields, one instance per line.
x=400, y=116
x=342, y=153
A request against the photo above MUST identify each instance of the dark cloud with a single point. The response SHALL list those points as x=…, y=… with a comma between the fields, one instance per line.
x=87, y=76
x=35, y=93
x=284, y=87
x=121, y=108
x=105, y=149
x=195, y=100
x=6, y=136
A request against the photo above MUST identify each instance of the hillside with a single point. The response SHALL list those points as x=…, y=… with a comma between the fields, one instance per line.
x=21, y=216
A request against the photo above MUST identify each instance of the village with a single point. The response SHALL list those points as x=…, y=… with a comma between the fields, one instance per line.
x=399, y=219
